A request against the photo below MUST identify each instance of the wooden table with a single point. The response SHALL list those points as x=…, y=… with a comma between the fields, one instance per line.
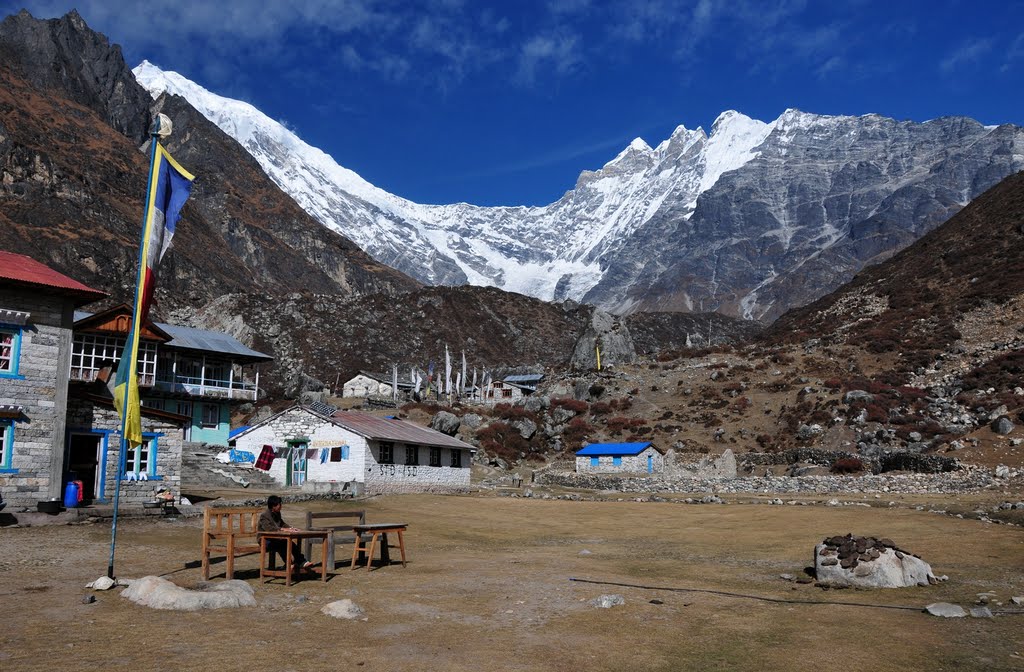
x=291, y=538
x=376, y=530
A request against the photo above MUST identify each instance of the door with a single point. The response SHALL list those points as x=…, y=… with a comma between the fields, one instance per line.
x=650, y=464
x=84, y=455
x=296, y=469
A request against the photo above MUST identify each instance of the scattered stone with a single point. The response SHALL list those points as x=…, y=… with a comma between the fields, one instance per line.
x=787, y=577
x=159, y=593
x=585, y=552
x=88, y=599
x=981, y=612
x=656, y=601
x=1017, y=600
x=608, y=601
x=1002, y=471
x=102, y=583
x=946, y=610
x=344, y=609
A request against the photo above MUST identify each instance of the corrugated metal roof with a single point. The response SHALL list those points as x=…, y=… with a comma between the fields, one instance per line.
x=613, y=449
x=188, y=338
x=22, y=269
x=385, y=429
x=524, y=378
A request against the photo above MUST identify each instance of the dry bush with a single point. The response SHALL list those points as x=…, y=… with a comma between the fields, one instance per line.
x=847, y=465
x=574, y=405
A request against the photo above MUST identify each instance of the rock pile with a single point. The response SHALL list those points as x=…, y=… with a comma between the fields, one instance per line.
x=869, y=562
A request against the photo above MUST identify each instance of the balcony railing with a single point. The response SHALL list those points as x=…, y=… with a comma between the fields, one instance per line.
x=89, y=375
x=217, y=389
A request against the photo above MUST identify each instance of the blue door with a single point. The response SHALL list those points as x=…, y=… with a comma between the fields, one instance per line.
x=650, y=464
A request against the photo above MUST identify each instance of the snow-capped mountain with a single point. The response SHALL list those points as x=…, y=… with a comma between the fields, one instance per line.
x=750, y=220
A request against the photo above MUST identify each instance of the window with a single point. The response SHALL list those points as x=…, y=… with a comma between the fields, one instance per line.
x=6, y=443
x=211, y=415
x=153, y=403
x=412, y=454
x=387, y=452
x=89, y=352
x=184, y=408
x=506, y=393
x=595, y=461
x=617, y=461
x=142, y=459
x=456, y=457
x=435, y=457
x=10, y=349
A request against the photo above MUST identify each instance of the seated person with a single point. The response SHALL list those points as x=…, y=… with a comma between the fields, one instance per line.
x=271, y=521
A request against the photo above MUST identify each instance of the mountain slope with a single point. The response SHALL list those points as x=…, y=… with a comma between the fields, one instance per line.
x=938, y=301
x=750, y=220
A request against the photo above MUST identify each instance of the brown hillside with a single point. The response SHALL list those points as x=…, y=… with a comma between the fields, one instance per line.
x=908, y=309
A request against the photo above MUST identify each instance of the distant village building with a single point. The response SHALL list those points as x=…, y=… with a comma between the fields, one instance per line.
x=367, y=384
x=511, y=388
x=317, y=450
x=57, y=417
x=615, y=458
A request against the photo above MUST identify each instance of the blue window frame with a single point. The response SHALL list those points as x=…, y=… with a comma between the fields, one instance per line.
x=6, y=446
x=617, y=461
x=10, y=351
x=142, y=459
x=595, y=461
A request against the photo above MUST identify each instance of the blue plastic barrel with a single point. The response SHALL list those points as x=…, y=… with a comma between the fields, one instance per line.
x=71, y=495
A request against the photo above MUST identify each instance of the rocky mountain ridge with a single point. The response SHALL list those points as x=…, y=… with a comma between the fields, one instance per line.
x=749, y=220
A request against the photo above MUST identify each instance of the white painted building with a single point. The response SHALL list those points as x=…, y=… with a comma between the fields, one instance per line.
x=366, y=384
x=358, y=452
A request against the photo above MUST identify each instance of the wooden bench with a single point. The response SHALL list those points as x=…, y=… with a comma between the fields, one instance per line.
x=231, y=532
x=341, y=534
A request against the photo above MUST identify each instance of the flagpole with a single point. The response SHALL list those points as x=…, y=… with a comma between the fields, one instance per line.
x=128, y=344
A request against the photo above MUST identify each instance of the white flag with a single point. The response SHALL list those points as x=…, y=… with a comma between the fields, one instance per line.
x=472, y=391
x=419, y=380
x=394, y=381
x=458, y=384
x=447, y=370
x=464, y=378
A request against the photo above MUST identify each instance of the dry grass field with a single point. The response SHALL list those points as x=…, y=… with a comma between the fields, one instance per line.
x=488, y=587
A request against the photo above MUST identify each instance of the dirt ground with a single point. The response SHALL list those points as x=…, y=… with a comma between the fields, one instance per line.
x=489, y=586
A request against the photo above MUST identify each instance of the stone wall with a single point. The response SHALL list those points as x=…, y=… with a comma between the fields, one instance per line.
x=37, y=454
x=87, y=417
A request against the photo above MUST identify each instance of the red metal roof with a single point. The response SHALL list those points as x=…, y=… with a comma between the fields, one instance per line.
x=388, y=429
x=25, y=270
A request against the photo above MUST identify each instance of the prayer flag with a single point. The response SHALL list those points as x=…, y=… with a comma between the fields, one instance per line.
x=169, y=188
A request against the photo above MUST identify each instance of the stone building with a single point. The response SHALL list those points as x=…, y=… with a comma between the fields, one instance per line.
x=368, y=384
x=359, y=452
x=36, y=316
x=57, y=418
x=616, y=458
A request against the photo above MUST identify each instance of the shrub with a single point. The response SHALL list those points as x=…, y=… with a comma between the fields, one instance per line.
x=617, y=424
x=576, y=434
x=501, y=439
x=847, y=465
x=574, y=405
x=600, y=408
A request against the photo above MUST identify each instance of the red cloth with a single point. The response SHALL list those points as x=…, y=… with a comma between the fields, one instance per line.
x=265, y=459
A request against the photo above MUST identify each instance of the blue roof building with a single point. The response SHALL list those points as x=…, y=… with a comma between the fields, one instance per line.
x=620, y=458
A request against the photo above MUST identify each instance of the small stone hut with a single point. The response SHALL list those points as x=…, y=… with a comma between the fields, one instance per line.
x=620, y=458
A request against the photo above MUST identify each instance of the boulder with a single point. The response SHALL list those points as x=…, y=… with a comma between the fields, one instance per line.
x=867, y=562
x=343, y=609
x=159, y=593
x=526, y=427
x=608, y=601
x=858, y=395
x=1002, y=425
x=445, y=422
x=946, y=610
x=609, y=332
x=471, y=420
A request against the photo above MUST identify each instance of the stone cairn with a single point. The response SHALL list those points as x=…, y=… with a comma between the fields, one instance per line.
x=869, y=562
x=848, y=551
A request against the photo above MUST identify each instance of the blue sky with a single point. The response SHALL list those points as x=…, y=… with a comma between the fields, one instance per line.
x=504, y=103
